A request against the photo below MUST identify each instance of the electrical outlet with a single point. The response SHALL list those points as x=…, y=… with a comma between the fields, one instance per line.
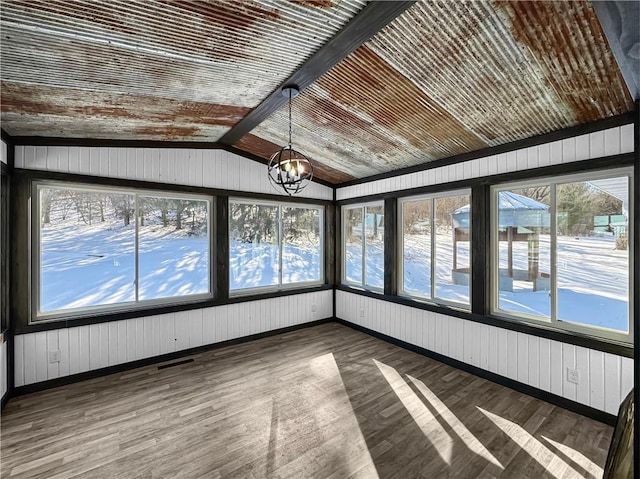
x=54, y=356
x=313, y=308
x=362, y=312
x=573, y=375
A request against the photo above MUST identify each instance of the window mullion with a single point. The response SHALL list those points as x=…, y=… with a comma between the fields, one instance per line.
x=400, y=251
x=136, y=282
x=280, y=245
x=553, y=244
x=433, y=248
x=364, y=246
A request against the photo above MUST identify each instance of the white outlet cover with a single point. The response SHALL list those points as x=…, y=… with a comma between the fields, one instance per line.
x=573, y=375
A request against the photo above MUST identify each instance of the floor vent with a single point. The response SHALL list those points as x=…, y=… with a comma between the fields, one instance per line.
x=177, y=363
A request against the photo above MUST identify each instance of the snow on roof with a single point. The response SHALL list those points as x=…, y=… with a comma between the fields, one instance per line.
x=618, y=187
x=514, y=210
x=508, y=200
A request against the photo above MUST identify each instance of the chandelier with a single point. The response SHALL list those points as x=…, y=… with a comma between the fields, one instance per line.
x=289, y=169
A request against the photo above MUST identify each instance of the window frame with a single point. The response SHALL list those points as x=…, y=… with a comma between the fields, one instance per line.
x=432, y=299
x=36, y=316
x=280, y=286
x=363, y=284
x=4, y=252
x=552, y=322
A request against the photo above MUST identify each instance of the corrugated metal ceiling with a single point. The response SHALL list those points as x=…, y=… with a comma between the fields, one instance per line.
x=450, y=77
x=444, y=78
x=162, y=55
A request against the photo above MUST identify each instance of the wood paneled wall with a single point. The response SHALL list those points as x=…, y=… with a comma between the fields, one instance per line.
x=605, y=379
x=96, y=346
x=86, y=348
x=612, y=141
x=192, y=167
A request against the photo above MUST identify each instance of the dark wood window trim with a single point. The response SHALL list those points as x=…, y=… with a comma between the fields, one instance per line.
x=20, y=194
x=480, y=304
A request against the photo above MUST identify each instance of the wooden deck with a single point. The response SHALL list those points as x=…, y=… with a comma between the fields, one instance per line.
x=321, y=402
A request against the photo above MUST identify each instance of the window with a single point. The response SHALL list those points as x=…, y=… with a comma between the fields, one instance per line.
x=273, y=245
x=561, y=252
x=435, y=247
x=99, y=249
x=363, y=250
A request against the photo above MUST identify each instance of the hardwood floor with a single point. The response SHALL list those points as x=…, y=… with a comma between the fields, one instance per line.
x=322, y=402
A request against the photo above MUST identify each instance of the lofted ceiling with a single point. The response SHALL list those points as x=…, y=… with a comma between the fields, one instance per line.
x=442, y=78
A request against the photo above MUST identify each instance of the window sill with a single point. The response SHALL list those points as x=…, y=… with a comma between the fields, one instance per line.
x=105, y=317
x=564, y=336
x=270, y=290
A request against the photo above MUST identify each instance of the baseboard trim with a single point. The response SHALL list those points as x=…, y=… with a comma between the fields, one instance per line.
x=551, y=398
x=96, y=373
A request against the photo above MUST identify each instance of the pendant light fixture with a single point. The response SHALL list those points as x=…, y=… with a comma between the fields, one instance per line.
x=290, y=170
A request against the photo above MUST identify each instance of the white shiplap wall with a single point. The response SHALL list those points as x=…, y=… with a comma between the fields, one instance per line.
x=613, y=141
x=605, y=379
x=86, y=348
x=3, y=368
x=204, y=168
x=539, y=362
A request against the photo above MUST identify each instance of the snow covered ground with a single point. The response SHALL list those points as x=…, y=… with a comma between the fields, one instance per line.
x=256, y=265
x=593, y=282
x=93, y=265
x=90, y=265
x=592, y=277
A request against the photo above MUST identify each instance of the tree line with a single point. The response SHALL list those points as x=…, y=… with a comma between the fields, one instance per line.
x=250, y=223
x=89, y=208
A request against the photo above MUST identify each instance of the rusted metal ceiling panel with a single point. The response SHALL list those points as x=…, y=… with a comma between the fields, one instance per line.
x=452, y=77
x=508, y=70
x=70, y=112
x=578, y=62
x=443, y=78
x=229, y=54
x=363, y=117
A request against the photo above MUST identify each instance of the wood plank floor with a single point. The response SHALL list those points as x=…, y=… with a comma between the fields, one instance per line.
x=321, y=402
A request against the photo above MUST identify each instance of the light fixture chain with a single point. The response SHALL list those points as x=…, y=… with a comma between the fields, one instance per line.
x=290, y=170
x=290, y=91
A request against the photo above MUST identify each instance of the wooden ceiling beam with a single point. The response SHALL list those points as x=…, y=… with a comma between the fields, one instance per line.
x=369, y=21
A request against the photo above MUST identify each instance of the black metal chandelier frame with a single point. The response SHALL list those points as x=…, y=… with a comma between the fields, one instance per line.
x=289, y=169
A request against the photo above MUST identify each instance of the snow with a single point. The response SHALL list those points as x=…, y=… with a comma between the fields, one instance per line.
x=374, y=266
x=92, y=265
x=593, y=281
x=255, y=265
